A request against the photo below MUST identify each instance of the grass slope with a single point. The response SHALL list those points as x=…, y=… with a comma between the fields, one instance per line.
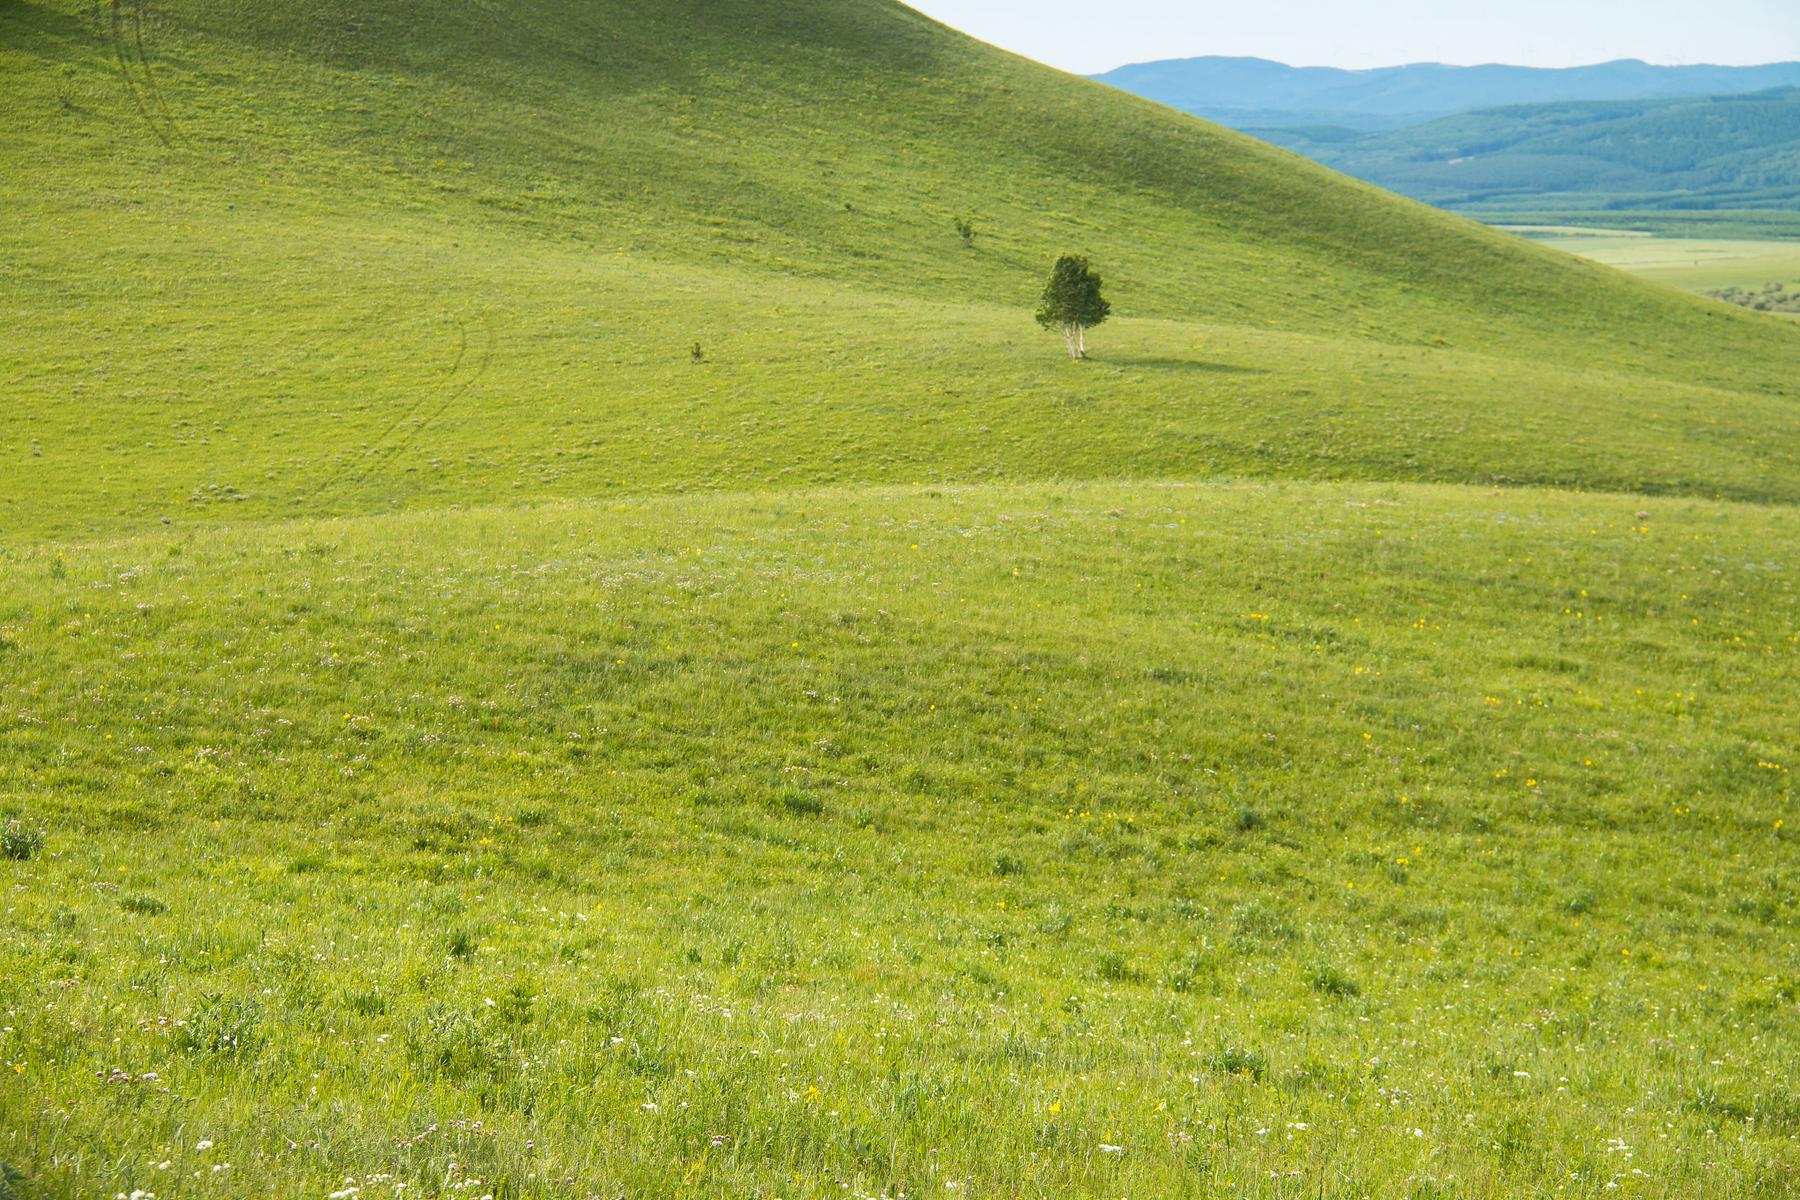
x=493, y=369
x=343, y=246
x=1697, y=264
x=852, y=843
x=405, y=781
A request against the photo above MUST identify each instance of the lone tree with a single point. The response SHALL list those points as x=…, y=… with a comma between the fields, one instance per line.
x=1073, y=303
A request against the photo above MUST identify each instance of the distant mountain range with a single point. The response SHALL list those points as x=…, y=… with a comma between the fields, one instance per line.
x=1720, y=152
x=1257, y=93
x=1617, y=135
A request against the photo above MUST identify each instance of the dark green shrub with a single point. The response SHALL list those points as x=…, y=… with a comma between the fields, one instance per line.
x=1329, y=981
x=1255, y=926
x=456, y=1045
x=515, y=1007
x=801, y=804
x=1238, y=1060
x=19, y=841
x=222, y=1025
x=1056, y=920
x=1112, y=966
x=460, y=943
x=367, y=1003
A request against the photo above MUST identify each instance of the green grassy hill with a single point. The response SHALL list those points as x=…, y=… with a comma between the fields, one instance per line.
x=340, y=243
x=1717, y=152
x=453, y=743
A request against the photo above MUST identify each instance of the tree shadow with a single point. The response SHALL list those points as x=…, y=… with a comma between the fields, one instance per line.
x=37, y=19
x=1203, y=366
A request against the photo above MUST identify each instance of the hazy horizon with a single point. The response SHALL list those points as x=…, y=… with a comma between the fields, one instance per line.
x=1438, y=62
x=1322, y=33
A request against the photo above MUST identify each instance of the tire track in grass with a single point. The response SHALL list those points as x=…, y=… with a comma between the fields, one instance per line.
x=419, y=427
x=462, y=351
x=379, y=455
x=411, y=411
x=124, y=62
x=167, y=129
x=156, y=94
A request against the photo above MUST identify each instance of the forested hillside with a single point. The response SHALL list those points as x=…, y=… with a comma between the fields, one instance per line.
x=1720, y=152
x=1256, y=93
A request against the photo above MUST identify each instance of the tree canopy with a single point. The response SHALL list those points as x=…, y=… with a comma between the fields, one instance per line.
x=1072, y=303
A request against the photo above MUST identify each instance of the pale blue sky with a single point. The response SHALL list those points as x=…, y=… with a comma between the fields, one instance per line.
x=1090, y=36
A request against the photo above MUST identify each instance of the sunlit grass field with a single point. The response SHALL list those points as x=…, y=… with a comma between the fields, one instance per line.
x=480, y=375
x=1696, y=264
x=1096, y=840
x=378, y=263
x=562, y=636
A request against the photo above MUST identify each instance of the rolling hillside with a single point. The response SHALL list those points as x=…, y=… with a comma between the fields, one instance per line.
x=1253, y=93
x=251, y=258
x=1720, y=152
x=561, y=635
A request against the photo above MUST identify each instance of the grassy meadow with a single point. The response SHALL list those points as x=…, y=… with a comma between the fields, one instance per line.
x=893, y=839
x=562, y=636
x=1693, y=264
x=1718, y=224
